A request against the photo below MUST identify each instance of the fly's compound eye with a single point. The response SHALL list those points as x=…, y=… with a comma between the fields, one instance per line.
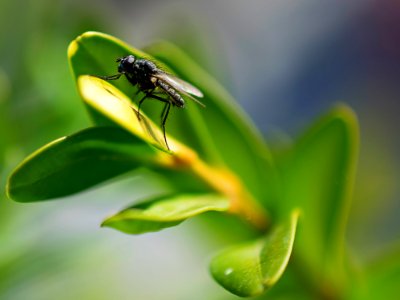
x=126, y=63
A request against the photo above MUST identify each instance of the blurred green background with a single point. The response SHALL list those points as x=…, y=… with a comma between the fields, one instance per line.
x=286, y=62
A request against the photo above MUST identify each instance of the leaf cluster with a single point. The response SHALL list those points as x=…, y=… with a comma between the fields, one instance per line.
x=298, y=201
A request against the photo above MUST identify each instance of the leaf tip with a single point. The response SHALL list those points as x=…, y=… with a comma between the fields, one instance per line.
x=8, y=187
x=345, y=113
x=74, y=45
x=295, y=215
x=105, y=223
x=347, y=116
x=110, y=222
x=92, y=33
x=72, y=48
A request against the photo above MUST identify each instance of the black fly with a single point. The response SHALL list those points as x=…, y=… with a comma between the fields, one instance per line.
x=151, y=81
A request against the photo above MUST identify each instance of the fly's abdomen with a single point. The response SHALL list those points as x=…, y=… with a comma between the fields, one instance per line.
x=175, y=96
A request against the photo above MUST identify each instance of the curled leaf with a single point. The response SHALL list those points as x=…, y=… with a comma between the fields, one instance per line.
x=252, y=268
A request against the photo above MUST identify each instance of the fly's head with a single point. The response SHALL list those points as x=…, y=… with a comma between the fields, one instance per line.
x=126, y=64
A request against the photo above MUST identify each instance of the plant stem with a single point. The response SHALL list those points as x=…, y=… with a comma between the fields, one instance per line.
x=224, y=182
x=242, y=202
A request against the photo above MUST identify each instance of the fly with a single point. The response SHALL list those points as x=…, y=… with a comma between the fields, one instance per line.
x=152, y=81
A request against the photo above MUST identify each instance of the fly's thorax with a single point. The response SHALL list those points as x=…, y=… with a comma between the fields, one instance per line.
x=131, y=78
x=143, y=70
x=145, y=66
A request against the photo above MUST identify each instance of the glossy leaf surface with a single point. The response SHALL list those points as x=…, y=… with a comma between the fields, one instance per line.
x=165, y=212
x=252, y=268
x=77, y=162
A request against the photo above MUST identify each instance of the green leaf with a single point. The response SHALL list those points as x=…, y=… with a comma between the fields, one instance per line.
x=220, y=133
x=165, y=212
x=238, y=269
x=74, y=163
x=254, y=267
x=277, y=250
x=318, y=177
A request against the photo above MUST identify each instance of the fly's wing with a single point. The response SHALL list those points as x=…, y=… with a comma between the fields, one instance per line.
x=181, y=86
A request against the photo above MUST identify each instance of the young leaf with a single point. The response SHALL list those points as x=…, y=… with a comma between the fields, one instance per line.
x=254, y=267
x=165, y=212
x=74, y=163
x=318, y=176
x=238, y=269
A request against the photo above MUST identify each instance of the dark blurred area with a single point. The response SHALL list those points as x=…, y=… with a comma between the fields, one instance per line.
x=286, y=62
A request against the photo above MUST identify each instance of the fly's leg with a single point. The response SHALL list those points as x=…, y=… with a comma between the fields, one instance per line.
x=147, y=94
x=164, y=109
x=164, y=116
x=112, y=77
